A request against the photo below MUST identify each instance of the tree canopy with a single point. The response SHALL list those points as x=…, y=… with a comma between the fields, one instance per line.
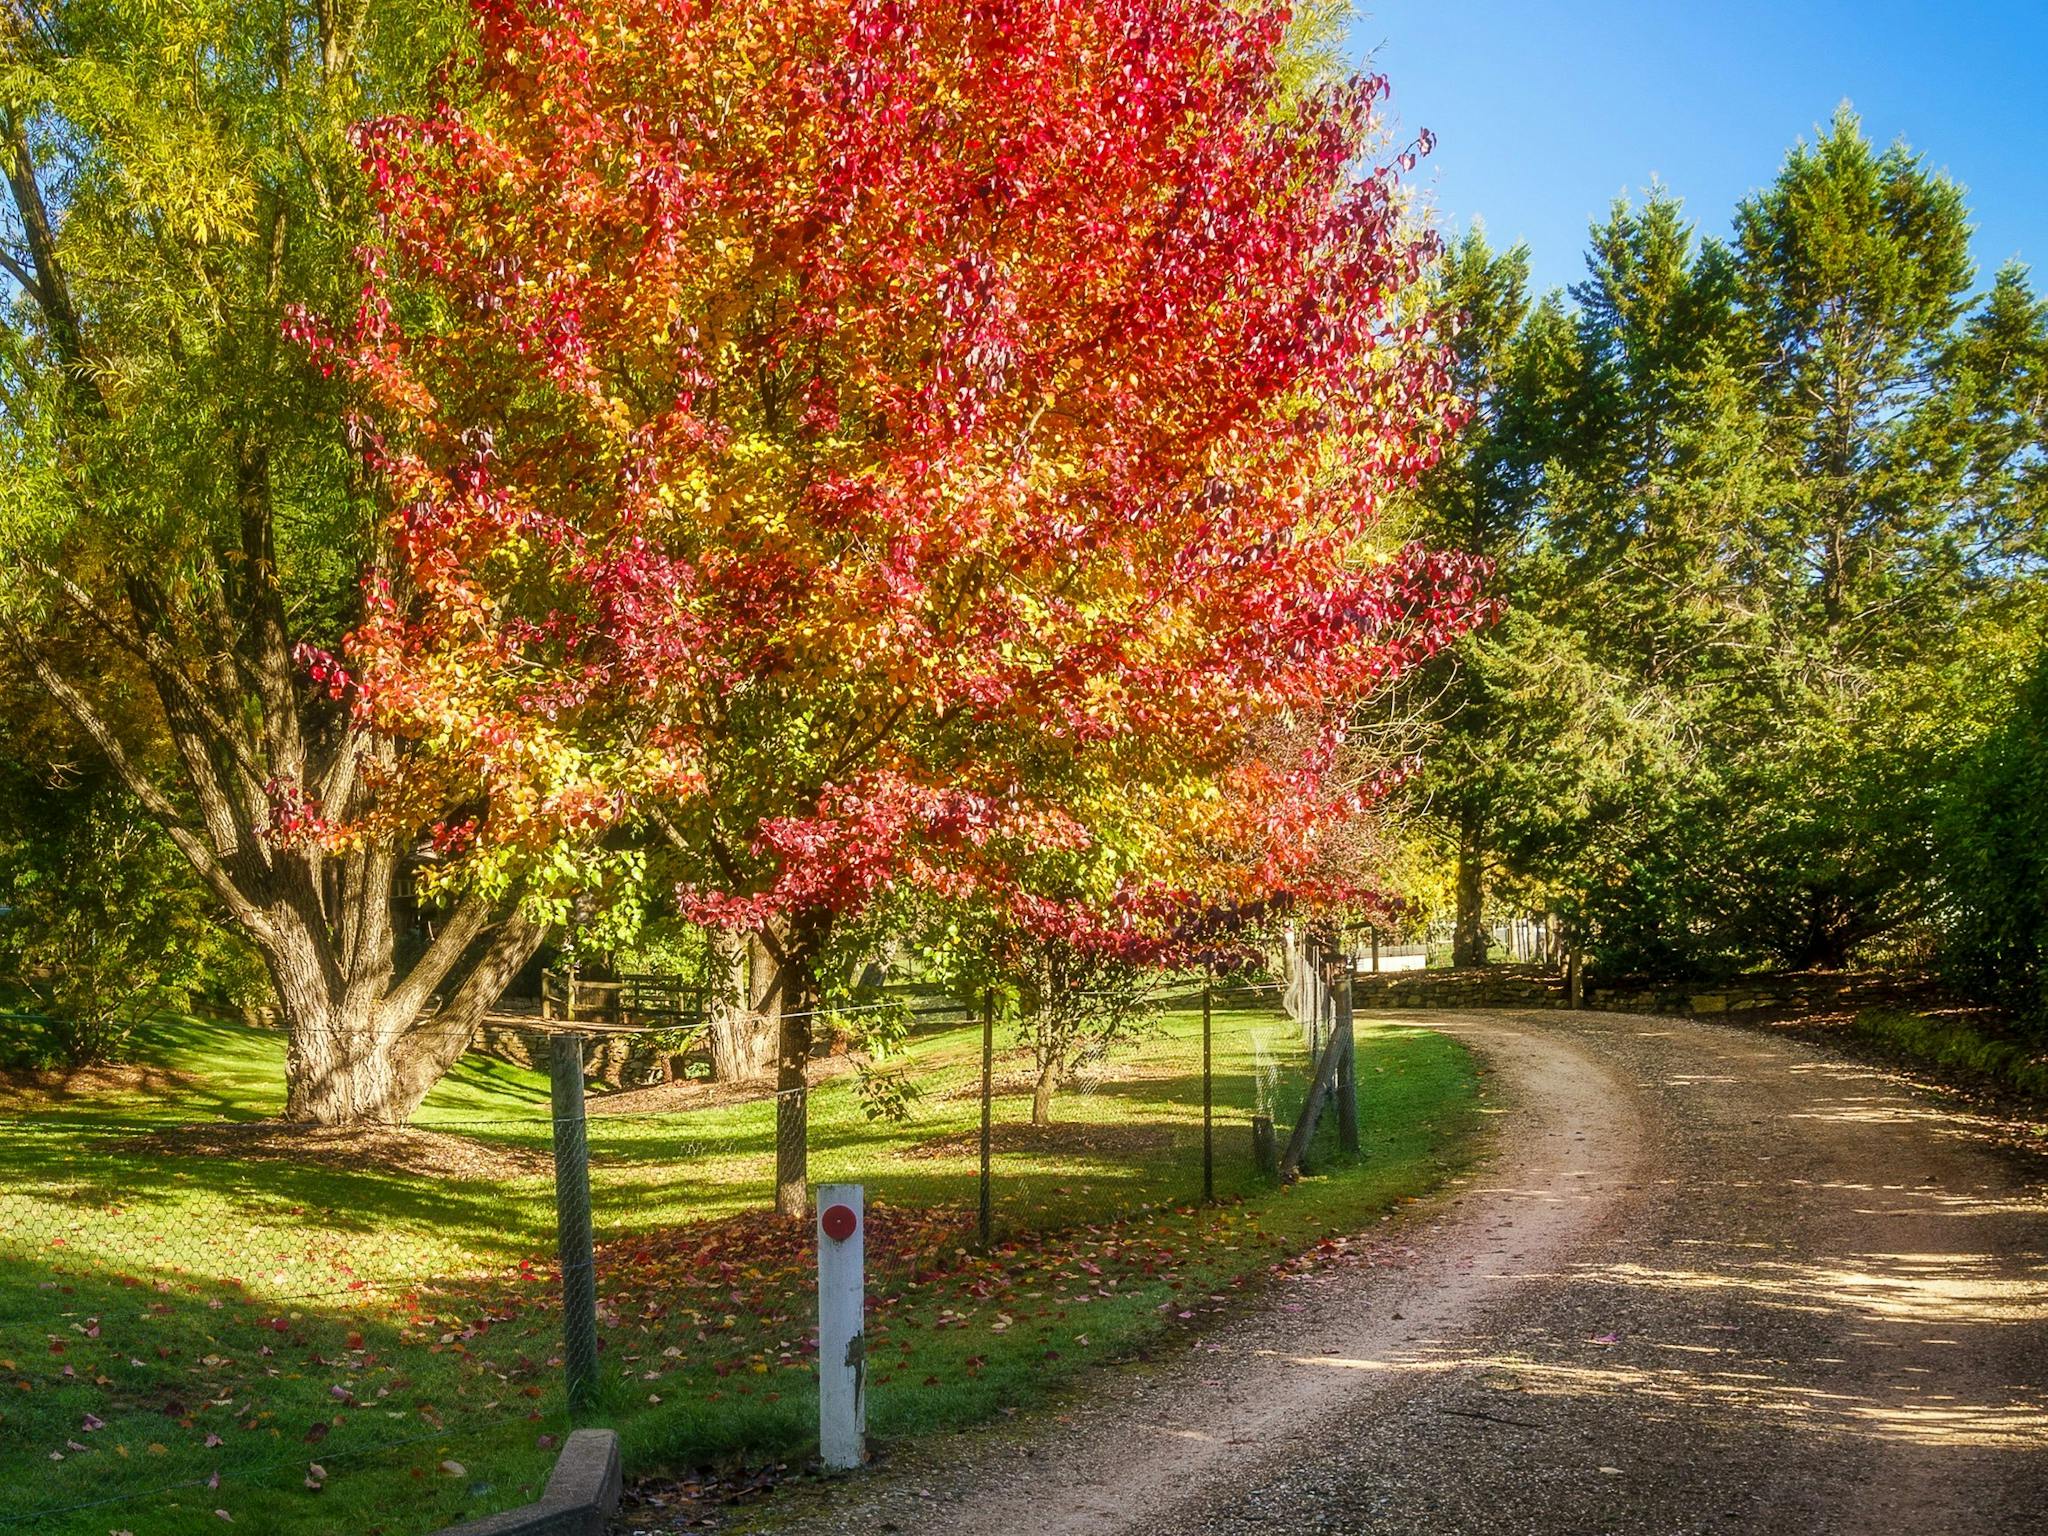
x=1769, y=523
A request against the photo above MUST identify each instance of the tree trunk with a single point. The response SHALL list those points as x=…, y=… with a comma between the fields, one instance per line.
x=741, y=1032
x=1041, y=1096
x=366, y=1054
x=1468, y=936
x=334, y=1072
x=796, y=1003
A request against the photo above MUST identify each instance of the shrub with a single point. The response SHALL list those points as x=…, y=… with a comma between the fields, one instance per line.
x=101, y=925
x=1992, y=847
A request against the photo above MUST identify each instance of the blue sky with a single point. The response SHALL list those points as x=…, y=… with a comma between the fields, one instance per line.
x=1544, y=110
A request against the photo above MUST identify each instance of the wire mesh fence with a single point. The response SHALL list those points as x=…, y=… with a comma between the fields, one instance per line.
x=207, y=1312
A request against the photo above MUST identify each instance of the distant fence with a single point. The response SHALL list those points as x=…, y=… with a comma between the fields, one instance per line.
x=1372, y=958
x=639, y=998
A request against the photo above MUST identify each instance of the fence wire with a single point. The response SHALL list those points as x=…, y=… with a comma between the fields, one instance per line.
x=207, y=1311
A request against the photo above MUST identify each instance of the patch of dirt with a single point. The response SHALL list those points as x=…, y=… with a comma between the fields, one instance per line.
x=1060, y=1139
x=702, y=1093
x=678, y=1503
x=109, y=1081
x=389, y=1149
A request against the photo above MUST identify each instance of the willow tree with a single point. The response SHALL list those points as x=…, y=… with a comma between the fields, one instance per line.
x=179, y=488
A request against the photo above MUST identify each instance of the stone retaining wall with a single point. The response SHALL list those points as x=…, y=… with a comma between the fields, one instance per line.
x=1492, y=986
x=612, y=1061
x=1514, y=986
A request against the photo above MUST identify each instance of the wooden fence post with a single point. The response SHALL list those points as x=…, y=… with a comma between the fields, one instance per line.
x=1311, y=1111
x=577, y=1251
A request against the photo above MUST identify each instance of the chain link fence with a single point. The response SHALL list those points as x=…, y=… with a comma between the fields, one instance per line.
x=205, y=1309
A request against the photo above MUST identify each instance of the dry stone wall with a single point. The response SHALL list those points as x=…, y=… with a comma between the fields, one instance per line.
x=1508, y=986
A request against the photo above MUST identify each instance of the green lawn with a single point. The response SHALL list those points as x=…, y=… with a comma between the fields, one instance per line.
x=196, y=1309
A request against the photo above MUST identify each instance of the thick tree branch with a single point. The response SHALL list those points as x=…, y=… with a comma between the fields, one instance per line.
x=163, y=666
x=21, y=275
x=427, y=1047
x=406, y=999
x=195, y=848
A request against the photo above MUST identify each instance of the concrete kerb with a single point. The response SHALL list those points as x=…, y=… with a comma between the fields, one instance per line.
x=582, y=1494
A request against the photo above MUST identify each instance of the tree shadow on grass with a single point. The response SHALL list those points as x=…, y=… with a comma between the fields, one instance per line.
x=71, y=1183
x=129, y=1398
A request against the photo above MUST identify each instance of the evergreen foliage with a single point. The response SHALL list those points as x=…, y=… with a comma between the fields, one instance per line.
x=1769, y=518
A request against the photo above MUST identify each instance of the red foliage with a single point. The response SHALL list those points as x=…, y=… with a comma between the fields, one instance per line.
x=902, y=437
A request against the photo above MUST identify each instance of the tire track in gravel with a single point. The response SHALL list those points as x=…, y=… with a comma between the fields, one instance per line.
x=1571, y=1143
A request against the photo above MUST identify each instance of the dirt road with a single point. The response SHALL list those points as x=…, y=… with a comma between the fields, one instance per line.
x=1707, y=1281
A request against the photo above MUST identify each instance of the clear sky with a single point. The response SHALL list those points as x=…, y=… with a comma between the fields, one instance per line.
x=1545, y=110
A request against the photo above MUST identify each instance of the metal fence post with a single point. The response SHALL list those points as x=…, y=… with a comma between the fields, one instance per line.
x=572, y=1220
x=1208, y=1098
x=988, y=1063
x=1315, y=999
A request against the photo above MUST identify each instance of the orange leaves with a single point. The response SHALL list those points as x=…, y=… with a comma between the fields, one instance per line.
x=969, y=408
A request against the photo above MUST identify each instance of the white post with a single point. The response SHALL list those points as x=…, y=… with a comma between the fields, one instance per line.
x=842, y=1343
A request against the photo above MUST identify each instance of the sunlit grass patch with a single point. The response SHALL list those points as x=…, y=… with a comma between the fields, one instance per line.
x=190, y=1313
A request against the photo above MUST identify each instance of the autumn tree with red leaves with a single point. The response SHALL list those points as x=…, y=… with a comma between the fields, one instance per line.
x=881, y=444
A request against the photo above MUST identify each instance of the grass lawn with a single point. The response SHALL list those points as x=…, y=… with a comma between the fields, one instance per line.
x=197, y=1309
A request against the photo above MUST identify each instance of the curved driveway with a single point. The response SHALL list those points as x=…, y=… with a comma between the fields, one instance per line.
x=1706, y=1281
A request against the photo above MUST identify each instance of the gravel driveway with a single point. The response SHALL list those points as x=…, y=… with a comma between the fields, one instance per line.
x=1707, y=1281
